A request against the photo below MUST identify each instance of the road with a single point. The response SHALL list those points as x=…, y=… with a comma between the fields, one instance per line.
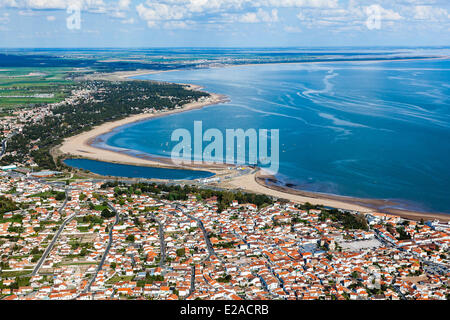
x=63, y=205
x=108, y=247
x=435, y=268
x=428, y=266
x=55, y=238
x=3, y=148
x=162, y=242
x=209, y=246
x=192, y=288
x=4, y=143
x=264, y=284
x=397, y=289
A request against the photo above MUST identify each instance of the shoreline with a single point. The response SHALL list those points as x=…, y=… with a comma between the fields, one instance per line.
x=81, y=146
x=258, y=183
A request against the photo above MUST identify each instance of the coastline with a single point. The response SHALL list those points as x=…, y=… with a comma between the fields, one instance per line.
x=257, y=183
x=81, y=146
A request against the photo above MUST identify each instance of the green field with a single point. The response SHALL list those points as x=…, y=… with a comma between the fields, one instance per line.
x=116, y=278
x=20, y=87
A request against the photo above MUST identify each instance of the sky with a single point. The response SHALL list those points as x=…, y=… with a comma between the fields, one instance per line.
x=223, y=23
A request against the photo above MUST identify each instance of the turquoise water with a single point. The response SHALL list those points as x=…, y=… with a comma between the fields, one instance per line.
x=373, y=130
x=123, y=170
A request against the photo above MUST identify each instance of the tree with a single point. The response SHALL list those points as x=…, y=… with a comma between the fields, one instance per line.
x=60, y=196
x=107, y=214
x=7, y=205
x=225, y=278
x=83, y=252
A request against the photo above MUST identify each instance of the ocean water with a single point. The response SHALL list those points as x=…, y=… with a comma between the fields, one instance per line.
x=374, y=129
x=123, y=170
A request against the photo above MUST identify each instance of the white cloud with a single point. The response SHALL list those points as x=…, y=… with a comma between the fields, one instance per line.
x=124, y=4
x=333, y=14
x=300, y=3
x=181, y=10
x=115, y=9
x=160, y=12
x=354, y=16
x=118, y=14
x=165, y=16
x=176, y=25
x=8, y=3
x=177, y=10
x=430, y=13
x=55, y=4
x=387, y=14
x=292, y=29
x=4, y=18
x=249, y=17
x=27, y=13
x=259, y=16
x=46, y=4
x=127, y=21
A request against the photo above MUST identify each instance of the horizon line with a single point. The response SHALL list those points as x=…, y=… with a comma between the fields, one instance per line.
x=236, y=47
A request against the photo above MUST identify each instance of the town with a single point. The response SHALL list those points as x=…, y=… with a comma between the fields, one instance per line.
x=87, y=240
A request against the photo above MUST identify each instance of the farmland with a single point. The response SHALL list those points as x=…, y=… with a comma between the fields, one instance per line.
x=21, y=87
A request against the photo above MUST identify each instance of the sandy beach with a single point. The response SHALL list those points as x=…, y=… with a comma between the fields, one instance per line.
x=249, y=183
x=120, y=75
x=257, y=183
x=80, y=145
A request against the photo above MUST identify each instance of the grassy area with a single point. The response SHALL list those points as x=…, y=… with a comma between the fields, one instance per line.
x=83, y=229
x=79, y=263
x=48, y=194
x=16, y=218
x=20, y=87
x=118, y=278
x=8, y=274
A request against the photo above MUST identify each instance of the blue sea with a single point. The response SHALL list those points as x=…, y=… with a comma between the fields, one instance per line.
x=367, y=129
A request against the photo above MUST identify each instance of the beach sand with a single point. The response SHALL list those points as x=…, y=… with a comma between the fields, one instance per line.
x=120, y=75
x=249, y=183
x=80, y=145
x=257, y=183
